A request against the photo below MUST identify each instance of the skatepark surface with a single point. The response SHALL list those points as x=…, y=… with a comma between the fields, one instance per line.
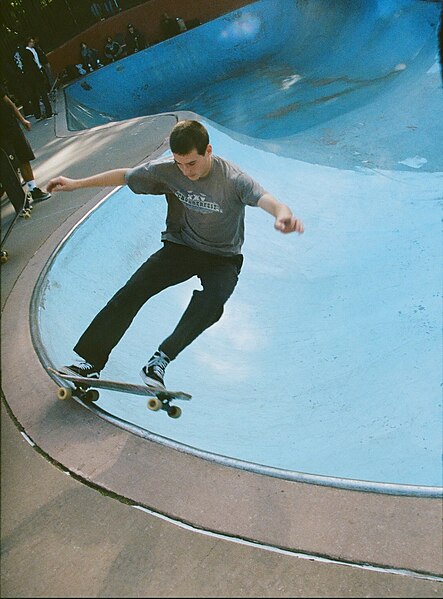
x=332, y=488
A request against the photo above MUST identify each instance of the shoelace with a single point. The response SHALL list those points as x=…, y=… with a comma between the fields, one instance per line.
x=84, y=366
x=159, y=366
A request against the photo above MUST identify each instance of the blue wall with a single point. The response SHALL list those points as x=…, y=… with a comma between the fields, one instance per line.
x=337, y=49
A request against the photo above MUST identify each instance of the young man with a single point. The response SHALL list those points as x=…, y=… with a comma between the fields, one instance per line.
x=204, y=233
x=36, y=80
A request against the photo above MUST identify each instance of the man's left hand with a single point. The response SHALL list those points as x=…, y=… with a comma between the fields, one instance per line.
x=289, y=224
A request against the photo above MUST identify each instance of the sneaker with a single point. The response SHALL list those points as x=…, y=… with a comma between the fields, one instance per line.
x=39, y=196
x=81, y=368
x=154, y=371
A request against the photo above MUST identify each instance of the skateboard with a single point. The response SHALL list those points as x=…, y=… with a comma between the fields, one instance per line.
x=87, y=390
x=17, y=196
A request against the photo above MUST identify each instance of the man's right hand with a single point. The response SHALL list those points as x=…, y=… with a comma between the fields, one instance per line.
x=61, y=184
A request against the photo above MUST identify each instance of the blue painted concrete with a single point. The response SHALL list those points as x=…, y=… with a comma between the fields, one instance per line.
x=300, y=79
x=328, y=358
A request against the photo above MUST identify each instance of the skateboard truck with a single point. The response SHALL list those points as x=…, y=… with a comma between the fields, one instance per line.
x=162, y=402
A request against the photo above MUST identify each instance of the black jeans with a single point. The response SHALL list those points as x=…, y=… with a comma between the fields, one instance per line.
x=169, y=266
x=37, y=90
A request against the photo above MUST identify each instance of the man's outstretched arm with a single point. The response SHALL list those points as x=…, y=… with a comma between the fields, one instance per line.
x=285, y=221
x=106, y=179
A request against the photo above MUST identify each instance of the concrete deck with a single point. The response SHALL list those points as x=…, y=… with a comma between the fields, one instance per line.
x=70, y=480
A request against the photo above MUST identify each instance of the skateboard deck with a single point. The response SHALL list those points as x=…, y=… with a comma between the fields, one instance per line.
x=87, y=390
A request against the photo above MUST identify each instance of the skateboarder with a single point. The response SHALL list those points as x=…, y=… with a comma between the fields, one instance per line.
x=206, y=197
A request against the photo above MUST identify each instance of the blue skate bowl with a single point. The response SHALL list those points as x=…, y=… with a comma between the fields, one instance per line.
x=326, y=365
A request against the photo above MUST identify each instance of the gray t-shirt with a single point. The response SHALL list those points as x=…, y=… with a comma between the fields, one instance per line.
x=207, y=214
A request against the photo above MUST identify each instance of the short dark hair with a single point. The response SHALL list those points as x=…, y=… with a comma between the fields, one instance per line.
x=187, y=136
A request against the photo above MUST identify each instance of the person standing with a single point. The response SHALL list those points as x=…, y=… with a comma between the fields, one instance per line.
x=36, y=80
x=14, y=142
x=17, y=81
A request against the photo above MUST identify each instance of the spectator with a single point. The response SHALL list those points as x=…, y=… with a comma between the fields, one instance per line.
x=181, y=25
x=172, y=26
x=89, y=57
x=14, y=142
x=168, y=25
x=113, y=50
x=36, y=80
x=17, y=80
x=134, y=40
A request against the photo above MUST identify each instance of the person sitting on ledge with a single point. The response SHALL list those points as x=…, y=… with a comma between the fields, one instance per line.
x=113, y=50
x=89, y=57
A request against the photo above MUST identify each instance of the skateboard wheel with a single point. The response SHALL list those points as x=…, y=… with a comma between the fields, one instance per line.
x=91, y=395
x=174, y=412
x=154, y=404
x=64, y=393
x=3, y=256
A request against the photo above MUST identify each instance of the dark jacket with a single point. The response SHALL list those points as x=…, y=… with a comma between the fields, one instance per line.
x=31, y=69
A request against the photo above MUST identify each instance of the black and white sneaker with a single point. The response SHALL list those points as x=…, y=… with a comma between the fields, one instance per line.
x=154, y=371
x=38, y=195
x=81, y=368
